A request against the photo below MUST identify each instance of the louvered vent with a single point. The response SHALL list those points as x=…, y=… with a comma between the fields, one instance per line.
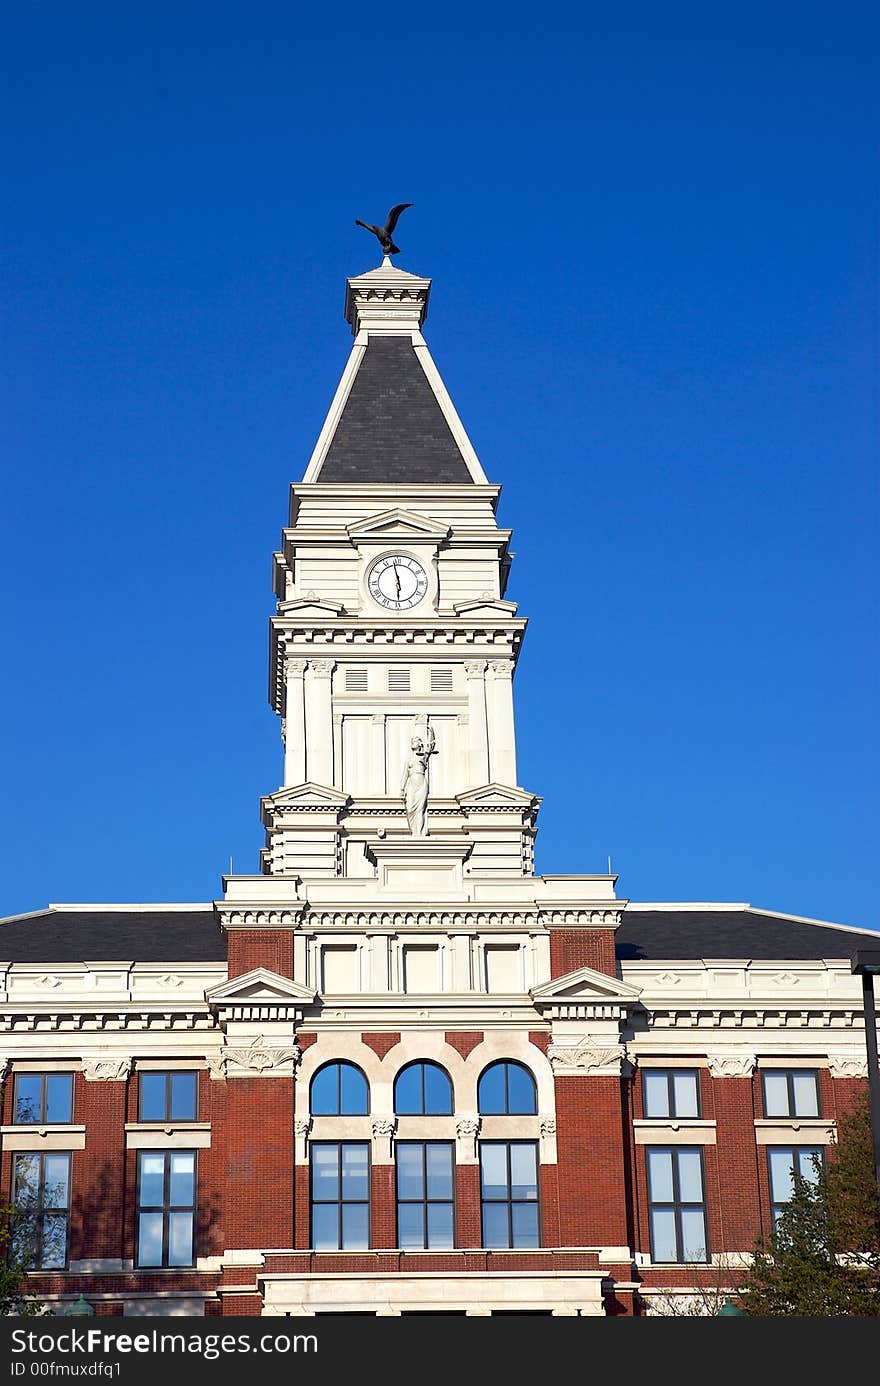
x=441, y=680
x=398, y=680
x=355, y=680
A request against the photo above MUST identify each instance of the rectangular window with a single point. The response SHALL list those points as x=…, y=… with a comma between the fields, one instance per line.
x=791, y=1092
x=43, y=1098
x=673, y=1092
x=167, y=1096
x=425, y=1200
x=509, y=1193
x=786, y=1163
x=677, y=1205
x=166, y=1204
x=340, y=1181
x=41, y=1198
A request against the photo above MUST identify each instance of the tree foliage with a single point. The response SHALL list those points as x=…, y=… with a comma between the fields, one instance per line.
x=13, y=1299
x=823, y=1256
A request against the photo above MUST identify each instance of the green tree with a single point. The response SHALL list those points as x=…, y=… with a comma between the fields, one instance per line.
x=823, y=1256
x=13, y=1299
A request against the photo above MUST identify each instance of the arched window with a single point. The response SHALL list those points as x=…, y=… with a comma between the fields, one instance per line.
x=423, y=1089
x=339, y=1090
x=507, y=1089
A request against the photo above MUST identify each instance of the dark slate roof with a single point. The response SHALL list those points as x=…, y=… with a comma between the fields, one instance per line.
x=114, y=936
x=746, y=933
x=392, y=428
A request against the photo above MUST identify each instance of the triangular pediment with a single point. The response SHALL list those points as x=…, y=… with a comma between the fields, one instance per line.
x=491, y=605
x=260, y=984
x=308, y=794
x=311, y=606
x=584, y=985
x=398, y=524
x=501, y=794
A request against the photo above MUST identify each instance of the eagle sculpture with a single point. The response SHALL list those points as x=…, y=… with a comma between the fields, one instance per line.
x=384, y=233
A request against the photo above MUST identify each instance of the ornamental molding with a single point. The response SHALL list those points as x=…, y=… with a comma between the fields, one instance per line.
x=264, y=1058
x=731, y=1065
x=323, y=668
x=841, y=1066
x=106, y=1022
x=296, y=668
x=107, y=1070
x=474, y=668
x=548, y=1126
x=217, y=1065
x=457, y=919
x=591, y=1055
x=384, y=1126
x=302, y=1126
x=824, y=1016
x=467, y=1129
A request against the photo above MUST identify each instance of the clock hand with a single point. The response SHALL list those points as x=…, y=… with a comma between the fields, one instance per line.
x=397, y=579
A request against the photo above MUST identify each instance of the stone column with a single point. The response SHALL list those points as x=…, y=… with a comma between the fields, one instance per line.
x=377, y=754
x=478, y=735
x=319, y=722
x=294, y=723
x=502, y=741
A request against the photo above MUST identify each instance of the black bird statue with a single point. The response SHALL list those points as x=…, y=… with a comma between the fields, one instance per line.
x=384, y=232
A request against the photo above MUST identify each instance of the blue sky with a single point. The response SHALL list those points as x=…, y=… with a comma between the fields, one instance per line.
x=653, y=237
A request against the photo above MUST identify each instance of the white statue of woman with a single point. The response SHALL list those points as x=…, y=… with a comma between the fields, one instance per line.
x=414, y=785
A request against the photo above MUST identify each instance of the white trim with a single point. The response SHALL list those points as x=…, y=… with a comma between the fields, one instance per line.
x=334, y=413
x=40, y=1138
x=675, y=1131
x=456, y=427
x=797, y=1131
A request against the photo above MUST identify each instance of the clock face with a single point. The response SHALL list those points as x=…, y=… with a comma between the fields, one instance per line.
x=397, y=582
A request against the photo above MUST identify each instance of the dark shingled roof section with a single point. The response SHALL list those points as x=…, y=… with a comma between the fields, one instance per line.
x=392, y=428
x=114, y=936
x=655, y=934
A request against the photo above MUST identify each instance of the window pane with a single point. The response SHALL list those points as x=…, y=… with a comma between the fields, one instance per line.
x=183, y=1168
x=775, y=1095
x=27, y=1181
x=325, y=1091
x=660, y=1176
x=523, y=1171
x=355, y=1171
x=663, y=1235
x=495, y=1229
x=493, y=1171
x=152, y=1185
x=56, y=1178
x=410, y=1181
x=439, y=1162
x=28, y=1097
x=408, y=1091
x=684, y=1087
x=410, y=1231
x=440, y=1226
x=438, y=1092
x=807, y=1163
x=690, y=1176
x=183, y=1096
x=54, y=1242
x=525, y=1224
x=59, y=1097
x=781, y=1178
x=355, y=1226
x=180, y=1239
x=490, y=1096
x=325, y=1226
x=25, y=1240
x=520, y=1090
x=693, y=1235
x=354, y=1091
x=152, y=1089
x=150, y=1239
x=806, y=1094
x=325, y=1173
x=655, y=1091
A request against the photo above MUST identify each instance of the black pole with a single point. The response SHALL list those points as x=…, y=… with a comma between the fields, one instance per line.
x=873, y=1071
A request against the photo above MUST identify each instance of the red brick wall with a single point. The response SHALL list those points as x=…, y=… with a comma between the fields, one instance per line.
x=381, y=1042
x=269, y=948
x=589, y=1144
x=464, y=1040
x=101, y=1214
x=254, y=1201
x=574, y=948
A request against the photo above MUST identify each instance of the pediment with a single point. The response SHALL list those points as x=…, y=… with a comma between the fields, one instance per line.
x=260, y=985
x=495, y=606
x=311, y=606
x=488, y=795
x=307, y=795
x=585, y=985
x=398, y=524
